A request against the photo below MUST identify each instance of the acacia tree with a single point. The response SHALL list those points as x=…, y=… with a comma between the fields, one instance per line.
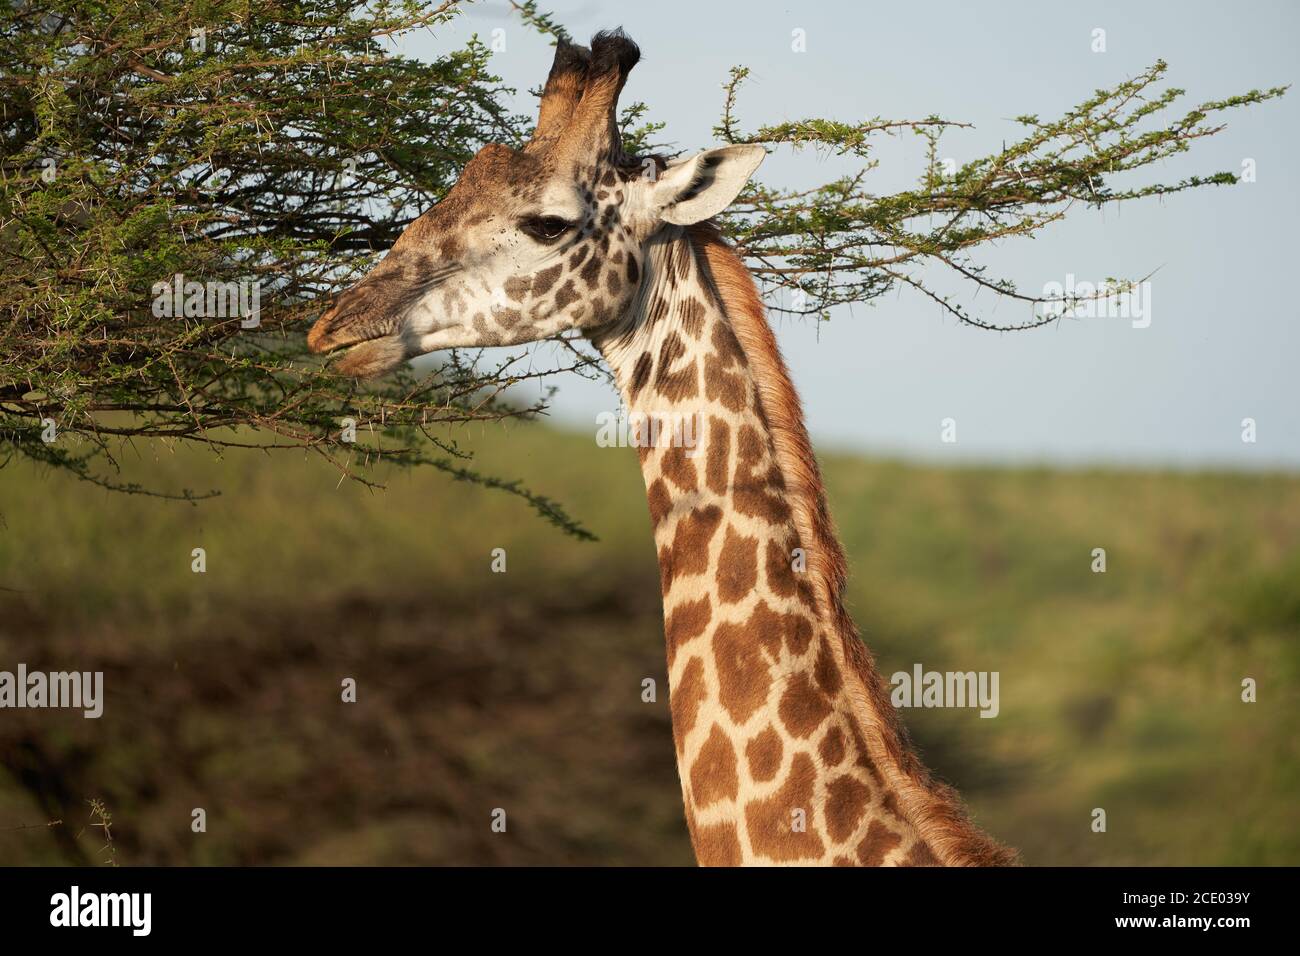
x=286, y=144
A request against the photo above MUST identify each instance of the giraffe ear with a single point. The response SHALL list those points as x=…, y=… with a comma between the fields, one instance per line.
x=702, y=186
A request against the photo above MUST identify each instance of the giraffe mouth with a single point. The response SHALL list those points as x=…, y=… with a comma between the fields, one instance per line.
x=370, y=348
x=373, y=357
x=371, y=321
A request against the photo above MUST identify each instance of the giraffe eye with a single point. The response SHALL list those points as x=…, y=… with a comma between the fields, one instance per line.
x=545, y=228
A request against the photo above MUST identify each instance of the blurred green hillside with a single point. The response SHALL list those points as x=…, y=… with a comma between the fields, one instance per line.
x=522, y=690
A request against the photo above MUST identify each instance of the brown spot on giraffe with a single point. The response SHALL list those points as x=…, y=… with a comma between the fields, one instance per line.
x=877, y=843
x=682, y=383
x=831, y=749
x=827, y=671
x=661, y=502
x=640, y=374
x=742, y=672
x=719, y=456
x=684, y=700
x=752, y=487
x=566, y=295
x=798, y=632
x=544, y=280
x=780, y=573
x=689, y=554
x=737, y=566
x=665, y=570
x=687, y=621
x=723, y=386
x=678, y=469
x=658, y=309
x=768, y=628
x=764, y=754
x=846, y=803
x=713, y=775
x=727, y=347
x=919, y=855
x=517, y=287
x=803, y=708
x=771, y=823
x=716, y=845
x=691, y=314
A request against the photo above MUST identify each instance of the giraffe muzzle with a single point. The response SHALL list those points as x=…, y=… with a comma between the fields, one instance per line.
x=372, y=319
x=370, y=330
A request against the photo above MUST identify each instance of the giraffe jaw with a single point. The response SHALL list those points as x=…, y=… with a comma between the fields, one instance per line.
x=373, y=357
x=362, y=357
x=371, y=348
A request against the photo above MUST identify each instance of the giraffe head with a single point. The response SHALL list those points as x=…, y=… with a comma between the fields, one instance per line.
x=532, y=242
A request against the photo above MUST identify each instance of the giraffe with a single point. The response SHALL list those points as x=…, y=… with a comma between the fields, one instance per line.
x=788, y=749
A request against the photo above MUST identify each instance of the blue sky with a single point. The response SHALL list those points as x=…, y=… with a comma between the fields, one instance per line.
x=1224, y=334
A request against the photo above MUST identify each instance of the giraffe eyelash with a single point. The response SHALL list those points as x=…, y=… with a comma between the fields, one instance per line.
x=545, y=228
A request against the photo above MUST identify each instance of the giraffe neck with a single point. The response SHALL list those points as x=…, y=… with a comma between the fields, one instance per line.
x=787, y=746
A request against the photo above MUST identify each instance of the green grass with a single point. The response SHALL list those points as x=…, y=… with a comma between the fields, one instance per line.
x=479, y=690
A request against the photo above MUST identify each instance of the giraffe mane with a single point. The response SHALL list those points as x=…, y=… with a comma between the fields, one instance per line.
x=931, y=807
